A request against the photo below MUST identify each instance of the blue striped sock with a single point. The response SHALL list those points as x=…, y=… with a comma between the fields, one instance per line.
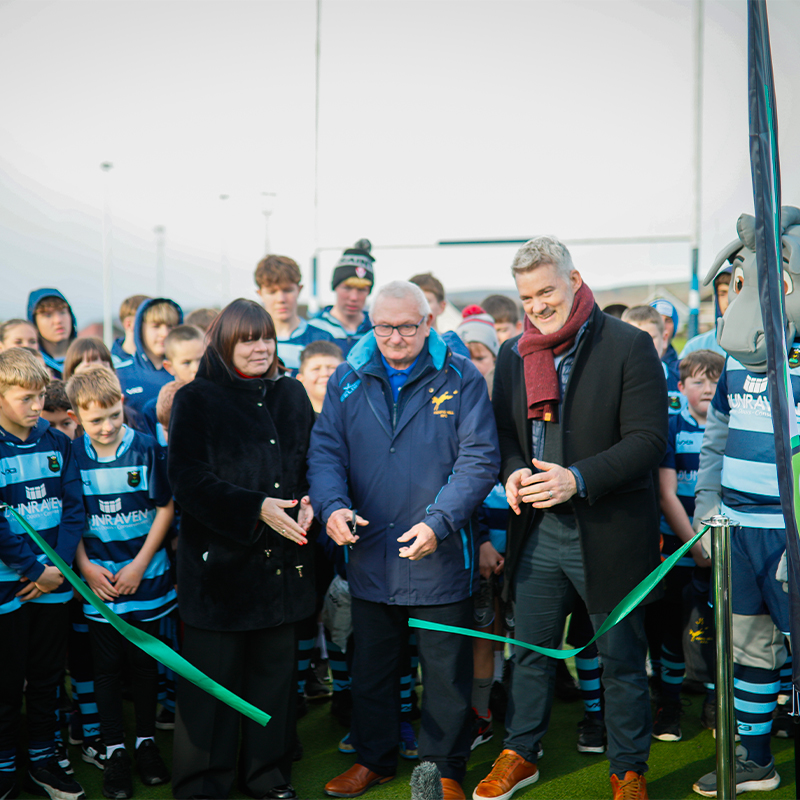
x=304, y=648
x=8, y=760
x=587, y=665
x=673, y=668
x=755, y=694
x=40, y=751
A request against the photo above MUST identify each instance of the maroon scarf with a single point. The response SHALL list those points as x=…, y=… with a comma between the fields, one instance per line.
x=538, y=353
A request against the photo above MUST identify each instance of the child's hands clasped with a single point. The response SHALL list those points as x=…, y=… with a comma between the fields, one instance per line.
x=127, y=580
x=101, y=581
x=47, y=582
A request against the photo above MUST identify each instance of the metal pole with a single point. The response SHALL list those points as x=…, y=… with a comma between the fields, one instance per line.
x=317, y=52
x=697, y=194
x=726, y=722
x=160, y=232
x=108, y=330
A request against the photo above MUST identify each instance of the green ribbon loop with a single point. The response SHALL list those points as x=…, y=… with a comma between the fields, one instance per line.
x=152, y=646
x=622, y=609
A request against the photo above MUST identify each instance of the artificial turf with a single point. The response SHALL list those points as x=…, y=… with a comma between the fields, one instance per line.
x=565, y=773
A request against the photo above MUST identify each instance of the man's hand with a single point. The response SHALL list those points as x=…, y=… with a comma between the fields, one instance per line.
x=552, y=485
x=490, y=561
x=339, y=526
x=426, y=542
x=513, y=486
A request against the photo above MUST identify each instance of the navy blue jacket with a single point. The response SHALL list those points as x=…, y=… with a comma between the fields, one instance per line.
x=55, y=364
x=432, y=457
x=140, y=380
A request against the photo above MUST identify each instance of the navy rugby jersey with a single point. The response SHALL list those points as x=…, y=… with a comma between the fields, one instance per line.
x=750, y=494
x=327, y=322
x=683, y=455
x=121, y=494
x=289, y=349
x=496, y=511
x=39, y=480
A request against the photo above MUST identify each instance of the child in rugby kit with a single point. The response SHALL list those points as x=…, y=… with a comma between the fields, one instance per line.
x=39, y=480
x=129, y=510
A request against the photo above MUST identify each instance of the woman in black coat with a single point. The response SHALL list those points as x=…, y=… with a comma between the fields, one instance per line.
x=237, y=464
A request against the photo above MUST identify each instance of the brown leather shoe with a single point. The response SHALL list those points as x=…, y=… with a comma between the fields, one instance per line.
x=510, y=772
x=451, y=790
x=633, y=787
x=355, y=782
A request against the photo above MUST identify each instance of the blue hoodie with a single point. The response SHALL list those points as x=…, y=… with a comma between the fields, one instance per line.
x=40, y=480
x=140, y=380
x=34, y=298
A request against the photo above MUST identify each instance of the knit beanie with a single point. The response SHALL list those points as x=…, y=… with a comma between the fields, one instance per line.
x=356, y=262
x=478, y=326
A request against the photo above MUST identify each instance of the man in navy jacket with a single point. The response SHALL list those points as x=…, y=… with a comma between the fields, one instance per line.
x=406, y=442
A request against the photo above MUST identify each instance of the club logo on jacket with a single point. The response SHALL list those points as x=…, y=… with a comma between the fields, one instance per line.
x=437, y=402
x=134, y=478
x=755, y=385
x=110, y=506
x=794, y=356
x=36, y=492
x=52, y=464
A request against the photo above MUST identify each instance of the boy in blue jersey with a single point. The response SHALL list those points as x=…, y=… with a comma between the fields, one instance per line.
x=56, y=325
x=352, y=281
x=124, y=347
x=648, y=319
x=279, y=283
x=666, y=618
x=129, y=510
x=39, y=480
x=318, y=362
x=143, y=374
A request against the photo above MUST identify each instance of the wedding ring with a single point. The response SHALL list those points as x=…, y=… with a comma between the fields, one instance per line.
x=550, y=493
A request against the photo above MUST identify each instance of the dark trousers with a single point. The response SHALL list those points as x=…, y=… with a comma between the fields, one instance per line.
x=35, y=638
x=259, y=666
x=110, y=651
x=380, y=658
x=549, y=572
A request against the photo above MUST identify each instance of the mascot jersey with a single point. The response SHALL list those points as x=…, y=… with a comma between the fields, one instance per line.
x=749, y=476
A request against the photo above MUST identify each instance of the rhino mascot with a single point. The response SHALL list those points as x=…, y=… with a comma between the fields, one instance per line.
x=738, y=477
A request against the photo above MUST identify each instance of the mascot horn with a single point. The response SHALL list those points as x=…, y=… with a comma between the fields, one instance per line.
x=740, y=332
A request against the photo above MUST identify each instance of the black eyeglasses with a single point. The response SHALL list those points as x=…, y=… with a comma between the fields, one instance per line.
x=404, y=330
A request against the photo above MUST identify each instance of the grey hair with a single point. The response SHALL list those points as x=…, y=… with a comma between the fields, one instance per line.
x=543, y=250
x=399, y=290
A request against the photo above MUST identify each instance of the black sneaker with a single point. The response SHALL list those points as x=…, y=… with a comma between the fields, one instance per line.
x=165, y=720
x=783, y=721
x=591, y=735
x=117, y=780
x=481, y=729
x=9, y=788
x=47, y=779
x=63, y=758
x=708, y=716
x=93, y=751
x=149, y=764
x=667, y=725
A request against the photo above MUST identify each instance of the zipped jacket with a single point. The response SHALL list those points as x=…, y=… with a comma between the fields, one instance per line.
x=430, y=457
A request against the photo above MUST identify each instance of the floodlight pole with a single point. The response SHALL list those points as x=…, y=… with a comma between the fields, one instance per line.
x=697, y=208
x=723, y=618
x=108, y=330
x=160, y=232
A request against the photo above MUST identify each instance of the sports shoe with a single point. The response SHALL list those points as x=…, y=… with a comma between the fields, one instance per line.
x=708, y=716
x=346, y=746
x=63, y=758
x=481, y=729
x=117, y=781
x=632, y=787
x=47, y=778
x=750, y=777
x=93, y=751
x=591, y=735
x=9, y=788
x=149, y=764
x=165, y=720
x=783, y=722
x=667, y=725
x=408, y=742
x=510, y=772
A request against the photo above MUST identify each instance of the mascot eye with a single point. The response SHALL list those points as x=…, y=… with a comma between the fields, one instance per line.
x=788, y=283
x=738, y=280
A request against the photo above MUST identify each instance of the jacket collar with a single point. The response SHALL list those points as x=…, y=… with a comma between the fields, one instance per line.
x=367, y=350
x=212, y=369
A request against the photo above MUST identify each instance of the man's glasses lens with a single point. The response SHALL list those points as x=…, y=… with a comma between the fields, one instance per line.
x=403, y=330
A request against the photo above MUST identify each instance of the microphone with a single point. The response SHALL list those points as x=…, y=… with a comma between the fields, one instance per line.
x=426, y=782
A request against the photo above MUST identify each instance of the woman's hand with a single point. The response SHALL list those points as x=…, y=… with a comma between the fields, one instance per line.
x=306, y=515
x=273, y=514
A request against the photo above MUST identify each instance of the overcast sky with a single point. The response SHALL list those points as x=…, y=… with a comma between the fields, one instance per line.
x=438, y=120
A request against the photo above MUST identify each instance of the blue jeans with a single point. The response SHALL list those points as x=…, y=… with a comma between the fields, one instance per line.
x=550, y=570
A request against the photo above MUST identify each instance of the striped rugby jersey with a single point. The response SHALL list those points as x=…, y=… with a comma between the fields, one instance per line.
x=683, y=455
x=289, y=349
x=39, y=479
x=749, y=475
x=325, y=320
x=121, y=495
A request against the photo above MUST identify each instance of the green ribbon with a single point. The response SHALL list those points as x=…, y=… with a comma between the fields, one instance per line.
x=622, y=609
x=152, y=646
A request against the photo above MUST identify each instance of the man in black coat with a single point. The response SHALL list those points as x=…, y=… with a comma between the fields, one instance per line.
x=580, y=401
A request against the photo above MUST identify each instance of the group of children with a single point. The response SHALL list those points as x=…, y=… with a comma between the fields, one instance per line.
x=83, y=438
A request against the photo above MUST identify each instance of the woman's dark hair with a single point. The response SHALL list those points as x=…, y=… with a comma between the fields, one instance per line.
x=241, y=321
x=78, y=351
